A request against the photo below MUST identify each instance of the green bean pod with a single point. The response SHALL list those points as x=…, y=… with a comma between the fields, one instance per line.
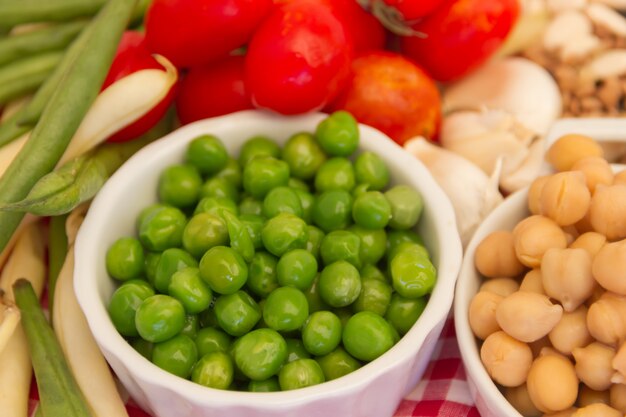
x=59, y=394
x=44, y=40
x=63, y=114
x=27, y=11
x=57, y=251
x=25, y=75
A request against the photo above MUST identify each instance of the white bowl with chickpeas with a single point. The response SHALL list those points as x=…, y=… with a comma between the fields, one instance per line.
x=540, y=304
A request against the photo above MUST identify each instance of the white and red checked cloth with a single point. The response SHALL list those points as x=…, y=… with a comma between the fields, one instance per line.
x=443, y=391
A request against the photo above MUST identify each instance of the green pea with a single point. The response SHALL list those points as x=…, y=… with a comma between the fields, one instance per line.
x=237, y=313
x=306, y=202
x=254, y=225
x=371, y=210
x=215, y=205
x=260, y=354
x=314, y=241
x=162, y=228
x=367, y=335
x=214, y=370
x=262, y=174
x=188, y=288
x=262, y=278
x=250, y=205
x=337, y=364
x=281, y=200
x=125, y=259
x=283, y=233
x=341, y=245
x=340, y=284
x=211, y=339
x=404, y=312
x=124, y=304
x=360, y=189
x=171, y=261
x=372, y=272
x=297, y=184
x=313, y=297
x=231, y=172
x=179, y=185
x=159, y=317
x=285, y=309
x=321, y=333
x=143, y=347
x=297, y=268
x=395, y=237
x=332, y=210
x=267, y=385
x=204, y=231
x=258, y=146
x=335, y=174
x=412, y=273
x=300, y=374
x=369, y=168
x=373, y=244
x=208, y=154
x=220, y=188
x=403, y=246
x=192, y=323
x=176, y=355
x=224, y=269
x=238, y=235
x=338, y=134
x=406, y=206
x=304, y=155
x=150, y=266
x=296, y=350
x=375, y=296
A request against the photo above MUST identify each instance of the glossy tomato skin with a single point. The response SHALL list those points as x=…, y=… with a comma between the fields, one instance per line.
x=298, y=59
x=132, y=55
x=413, y=9
x=213, y=90
x=196, y=32
x=392, y=94
x=460, y=35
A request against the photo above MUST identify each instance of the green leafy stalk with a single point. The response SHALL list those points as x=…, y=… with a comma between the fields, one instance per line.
x=59, y=394
x=64, y=113
x=57, y=251
x=14, y=12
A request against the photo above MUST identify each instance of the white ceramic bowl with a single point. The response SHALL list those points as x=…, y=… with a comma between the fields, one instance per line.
x=375, y=390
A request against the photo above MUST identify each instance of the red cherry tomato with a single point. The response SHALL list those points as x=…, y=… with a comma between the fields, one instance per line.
x=298, y=59
x=392, y=94
x=412, y=9
x=213, y=90
x=460, y=35
x=132, y=55
x=196, y=32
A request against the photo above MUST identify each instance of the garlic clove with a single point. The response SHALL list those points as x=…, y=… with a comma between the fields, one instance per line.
x=606, y=17
x=525, y=172
x=565, y=27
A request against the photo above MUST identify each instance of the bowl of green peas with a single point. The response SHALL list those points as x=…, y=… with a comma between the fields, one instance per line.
x=256, y=265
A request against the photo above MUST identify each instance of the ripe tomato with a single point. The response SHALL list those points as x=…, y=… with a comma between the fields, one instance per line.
x=213, y=90
x=411, y=9
x=298, y=59
x=132, y=55
x=460, y=35
x=392, y=94
x=196, y=32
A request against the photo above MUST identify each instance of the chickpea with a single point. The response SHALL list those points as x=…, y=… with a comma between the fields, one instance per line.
x=534, y=194
x=571, y=331
x=533, y=236
x=565, y=197
x=500, y=286
x=506, y=359
x=552, y=383
x=620, y=177
x=606, y=319
x=609, y=266
x=565, y=413
x=617, y=395
x=527, y=316
x=520, y=399
x=592, y=242
x=566, y=276
x=495, y=256
x=569, y=149
x=482, y=314
x=588, y=396
x=597, y=171
x=532, y=282
x=597, y=410
x=593, y=365
x=606, y=211
x=619, y=364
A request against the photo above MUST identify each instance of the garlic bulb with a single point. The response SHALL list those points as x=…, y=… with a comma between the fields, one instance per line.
x=473, y=194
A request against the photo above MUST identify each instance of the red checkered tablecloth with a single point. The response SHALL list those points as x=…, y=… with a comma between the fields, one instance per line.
x=443, y=391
